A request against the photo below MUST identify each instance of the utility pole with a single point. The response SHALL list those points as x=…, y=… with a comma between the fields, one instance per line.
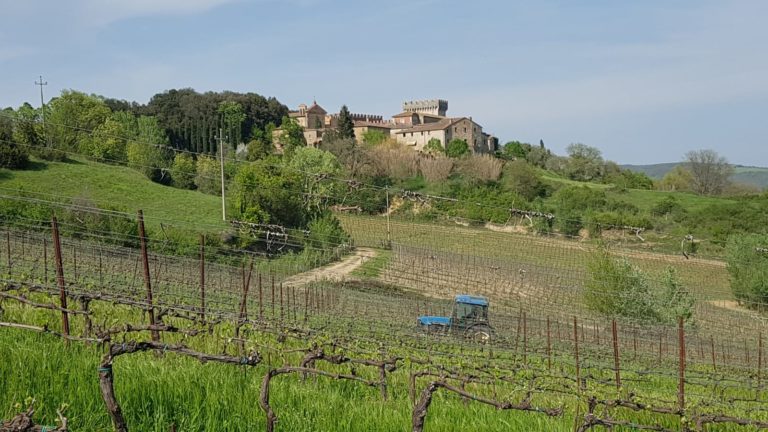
x=42, y=83
x=221, y=159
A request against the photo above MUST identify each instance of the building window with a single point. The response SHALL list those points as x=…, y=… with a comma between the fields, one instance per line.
x=422, y=133
x=465, y=130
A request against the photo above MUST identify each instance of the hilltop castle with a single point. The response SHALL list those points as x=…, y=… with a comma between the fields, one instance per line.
x=418, y=123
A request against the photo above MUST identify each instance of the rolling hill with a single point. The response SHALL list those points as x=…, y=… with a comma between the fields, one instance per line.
x=757, y=176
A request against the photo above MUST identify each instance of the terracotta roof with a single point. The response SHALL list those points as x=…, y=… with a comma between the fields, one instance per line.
x=316, y=108
x=363, y=123
x=404, y=114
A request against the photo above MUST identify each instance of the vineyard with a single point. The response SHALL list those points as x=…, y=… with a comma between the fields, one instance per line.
x=109, y=337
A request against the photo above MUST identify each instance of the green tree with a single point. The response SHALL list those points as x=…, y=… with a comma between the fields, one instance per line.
x=515, y=150
x=456, y=148
x=617, y=288
x=183, y=171
x=232, y=118
x=260, y=145
x=585, y=163
x=346, y=127
x=73, y=116
x=291, y=136
x=265, y=192
x=317, y=168
x=679, y=179
x=208, y=175
x=107, y=143
x=147, y=151
x=747, y=263
x=434, y=146
x=12, y=155
x=522, y=178
x=28, y=129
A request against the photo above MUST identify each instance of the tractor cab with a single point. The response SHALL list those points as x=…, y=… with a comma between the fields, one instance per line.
x=469, y=317
x=469, y=311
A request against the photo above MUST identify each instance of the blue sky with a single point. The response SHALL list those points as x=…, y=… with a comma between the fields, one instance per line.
x=643, y=81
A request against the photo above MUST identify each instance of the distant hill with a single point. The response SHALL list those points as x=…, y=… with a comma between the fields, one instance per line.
x=757, y=176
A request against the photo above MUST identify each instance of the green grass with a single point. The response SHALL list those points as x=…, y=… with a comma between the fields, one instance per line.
x=646, y=199
x=114, y=186
x=372, y=267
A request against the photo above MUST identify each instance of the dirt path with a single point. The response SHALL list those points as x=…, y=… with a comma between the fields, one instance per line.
x=336, y=271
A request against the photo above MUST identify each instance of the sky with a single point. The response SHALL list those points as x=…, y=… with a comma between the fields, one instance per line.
x=644, y=81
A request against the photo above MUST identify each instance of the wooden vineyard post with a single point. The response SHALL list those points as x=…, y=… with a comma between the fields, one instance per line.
x=576, y=352
x=273, y=296
x=60, y=277
x=306, y=304
x=45, y=261
x=616, y=364
x=281, y=302
x=712, y=345
x=525, y=339
x=759, y=361
x=549, y=347
x=261, y=300
x=244, y=302
x=202, y=278
x=74, y=260
x=681, y=380
x=147, y=276
x=8, y=250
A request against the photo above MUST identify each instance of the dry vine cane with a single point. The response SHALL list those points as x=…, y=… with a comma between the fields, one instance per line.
x=23, y=422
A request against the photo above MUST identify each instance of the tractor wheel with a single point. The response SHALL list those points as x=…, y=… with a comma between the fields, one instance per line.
x=480, y=334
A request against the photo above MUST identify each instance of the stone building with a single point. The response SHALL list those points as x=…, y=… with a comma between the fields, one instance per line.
x=419, y=122
x=424, y=120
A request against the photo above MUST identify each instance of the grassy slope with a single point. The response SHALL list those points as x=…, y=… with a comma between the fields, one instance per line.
x=114, y=186
x=757, y=176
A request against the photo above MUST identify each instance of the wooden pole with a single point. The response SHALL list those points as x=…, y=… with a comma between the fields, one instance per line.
x=576, y=352
x=202, y=278
x=147, y=276
x=549, y=346
x=616, y=365
x=60, y=278
x=681, y=380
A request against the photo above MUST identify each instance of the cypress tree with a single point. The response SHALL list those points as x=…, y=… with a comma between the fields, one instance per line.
x=346, y=126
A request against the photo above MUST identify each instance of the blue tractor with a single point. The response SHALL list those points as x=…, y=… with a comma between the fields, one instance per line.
x=469, y=319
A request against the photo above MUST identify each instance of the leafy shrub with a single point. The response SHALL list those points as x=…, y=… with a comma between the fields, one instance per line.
x=49, y=154
x=208, y=176
x=747, y=263
x=617, y=288
x=579, y=198
x=150, y=160
x=183, y=171
x=325, y=232
x=522, y=178
x=456, y=148
x=667, y=206
x=434, y=146
x=12, y=156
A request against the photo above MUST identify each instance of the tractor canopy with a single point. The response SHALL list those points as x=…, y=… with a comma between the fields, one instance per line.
x=472, y=300
x=434, y=320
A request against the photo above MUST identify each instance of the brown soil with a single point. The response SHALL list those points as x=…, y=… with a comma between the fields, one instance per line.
x=337, y=271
